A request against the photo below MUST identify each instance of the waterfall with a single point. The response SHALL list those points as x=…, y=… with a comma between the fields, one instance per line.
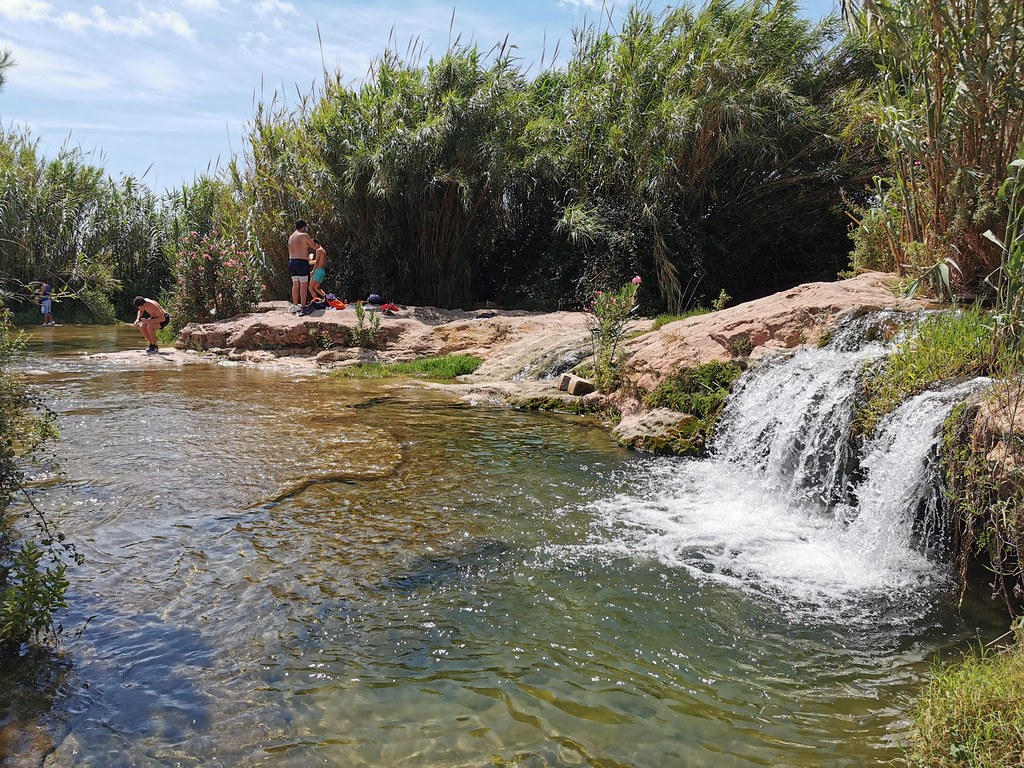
x=899, y=503
x=790, y=418
x=787, y=504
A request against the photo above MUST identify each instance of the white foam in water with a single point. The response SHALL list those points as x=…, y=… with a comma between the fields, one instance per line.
x=900, y=465
x=765, y=515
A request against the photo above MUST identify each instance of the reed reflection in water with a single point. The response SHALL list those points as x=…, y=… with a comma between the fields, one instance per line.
x=289, y=570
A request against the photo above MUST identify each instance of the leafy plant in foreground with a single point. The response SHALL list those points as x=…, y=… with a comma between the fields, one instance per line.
x=216, y=279
x=608, y=315
x=366, y=332
x=32, y=556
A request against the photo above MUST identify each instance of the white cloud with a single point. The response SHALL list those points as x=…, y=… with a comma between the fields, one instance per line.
x=268, y=7
x=254, y=42
x=59, y=75
x=594, y=5
x=146, y=24
x=25, y=10
x=155, y=76
x=203, y=5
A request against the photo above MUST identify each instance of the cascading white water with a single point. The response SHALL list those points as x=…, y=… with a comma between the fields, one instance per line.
x=901, y=478
x=775, y=508
x=790, y=418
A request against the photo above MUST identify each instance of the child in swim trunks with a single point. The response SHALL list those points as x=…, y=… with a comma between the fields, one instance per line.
x=319, y=273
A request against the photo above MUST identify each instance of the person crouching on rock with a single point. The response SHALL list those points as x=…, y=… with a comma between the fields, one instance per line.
x=151, y=317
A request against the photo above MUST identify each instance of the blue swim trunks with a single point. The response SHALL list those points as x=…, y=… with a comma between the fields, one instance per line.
x=319, y=274
x=298, y=269
x=45, y=306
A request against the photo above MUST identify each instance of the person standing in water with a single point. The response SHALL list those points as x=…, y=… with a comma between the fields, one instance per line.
x=150, y=318
x=299, y=246
x=45, y=302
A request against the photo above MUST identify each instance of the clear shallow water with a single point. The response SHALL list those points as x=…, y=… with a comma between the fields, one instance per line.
x=465, y=586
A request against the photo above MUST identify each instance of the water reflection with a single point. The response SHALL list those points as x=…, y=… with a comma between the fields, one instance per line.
x=289, y=570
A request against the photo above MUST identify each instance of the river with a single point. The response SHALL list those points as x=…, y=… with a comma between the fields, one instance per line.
x=462, y=585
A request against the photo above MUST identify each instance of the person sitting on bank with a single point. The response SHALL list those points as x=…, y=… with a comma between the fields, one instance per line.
x=150, y=319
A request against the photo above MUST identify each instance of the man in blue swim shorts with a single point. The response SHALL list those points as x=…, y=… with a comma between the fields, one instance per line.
x=299, y=246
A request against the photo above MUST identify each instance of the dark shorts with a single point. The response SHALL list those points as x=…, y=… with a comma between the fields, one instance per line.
x=298, y=267
x=163, y=324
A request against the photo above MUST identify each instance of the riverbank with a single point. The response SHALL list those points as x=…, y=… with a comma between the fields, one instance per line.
x=525, y=353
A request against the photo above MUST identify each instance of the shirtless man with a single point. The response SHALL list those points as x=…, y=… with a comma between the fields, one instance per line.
x=319, y=267
x=150, y=318
x=299, y=246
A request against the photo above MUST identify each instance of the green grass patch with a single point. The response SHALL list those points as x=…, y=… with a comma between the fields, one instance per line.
x=448, y=367
x=700, y=391
x=971, y=715
x=661, y=320
x=946, y=346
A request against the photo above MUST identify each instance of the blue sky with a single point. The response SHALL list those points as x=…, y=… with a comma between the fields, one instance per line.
x=165, y=88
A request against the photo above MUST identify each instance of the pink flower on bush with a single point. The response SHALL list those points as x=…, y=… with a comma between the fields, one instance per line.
x=637, y=280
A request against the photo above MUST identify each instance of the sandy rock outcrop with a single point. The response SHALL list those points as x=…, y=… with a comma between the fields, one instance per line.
x=785, y=320
x=996, y=430
x=512, y=343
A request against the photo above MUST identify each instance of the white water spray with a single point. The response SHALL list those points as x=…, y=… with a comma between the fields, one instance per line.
x=777, y=509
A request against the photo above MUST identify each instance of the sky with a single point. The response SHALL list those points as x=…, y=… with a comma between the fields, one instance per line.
x=164, y=89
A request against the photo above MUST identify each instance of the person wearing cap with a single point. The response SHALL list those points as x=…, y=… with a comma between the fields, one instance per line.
x=299, y=246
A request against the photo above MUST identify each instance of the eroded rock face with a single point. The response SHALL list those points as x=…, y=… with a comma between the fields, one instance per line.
x=785, y=320
x=996, y=433
x=525, y=344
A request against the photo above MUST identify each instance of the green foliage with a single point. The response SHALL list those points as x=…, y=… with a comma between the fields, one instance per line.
x=706, y=148
x=95, y=240
x=608, y=315
x=32, y=557
x=215, y=279
x=720, y=303
x=970, y=714
x=1009, y=278
x=31, y=592
x=952, y=117
x=320, y=338
x=6, y=62
x=700, y=391
x=938, y=278
x=366, y=331
x=945, y=346
x=440, y=368
x=574, y=405
x=740, y=345
x=663, y=320
x=983, y=466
